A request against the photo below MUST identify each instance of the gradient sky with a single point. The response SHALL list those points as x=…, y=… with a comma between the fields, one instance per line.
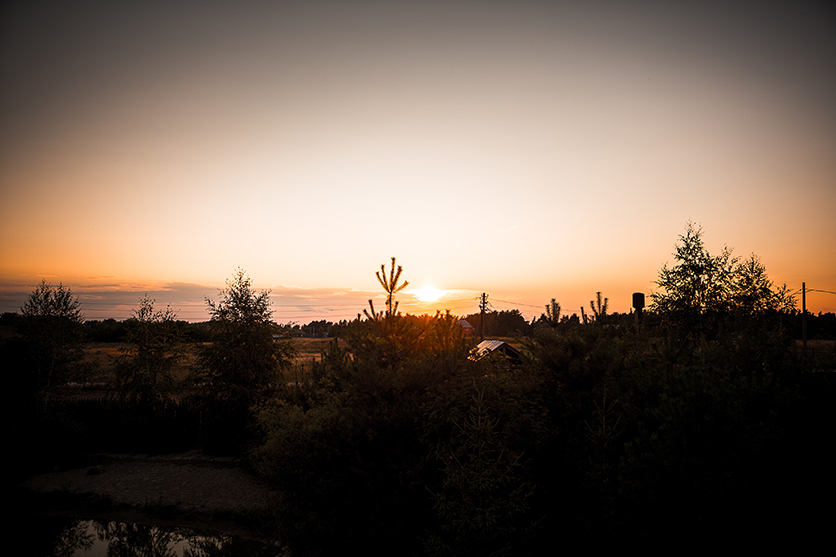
x=530, y=150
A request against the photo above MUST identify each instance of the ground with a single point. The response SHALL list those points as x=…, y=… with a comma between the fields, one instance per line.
x=187, y=489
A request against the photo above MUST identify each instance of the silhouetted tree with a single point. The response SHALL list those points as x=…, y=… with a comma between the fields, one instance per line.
x=701, y=289
x=107, y=330
x=755, y=293
x=599, y=310
x=391, y=286
x=699, y=284
x=144, y=369
x=249, y=352
x=52, y=332
x=552, y=315
x=316, y=328
x=503, y=323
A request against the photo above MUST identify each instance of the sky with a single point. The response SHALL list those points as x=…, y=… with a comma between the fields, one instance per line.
x=528, y=150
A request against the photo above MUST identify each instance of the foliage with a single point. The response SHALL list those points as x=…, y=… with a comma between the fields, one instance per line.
x=387, y=339
x=391, y=286
x=552, y=315
x=482, y=502
x=345, y=447
x=106, y=330
x=52, y=301
x=52, y=334
x=248, y=353
x=315, y=329
x=656, y=430
x=387, y=323
x=144, y=368
x=755, y=294
x=503, y=323
x=700, y=285
x=702, y=290
x=346, y=467
x=599, y=311
x=349, y=447
x=620, y=436
x=821, y=326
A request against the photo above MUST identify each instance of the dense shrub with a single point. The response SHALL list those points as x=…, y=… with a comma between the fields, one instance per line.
x=621, y=435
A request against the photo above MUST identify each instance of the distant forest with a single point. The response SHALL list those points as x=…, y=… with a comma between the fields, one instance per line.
x=503, y=324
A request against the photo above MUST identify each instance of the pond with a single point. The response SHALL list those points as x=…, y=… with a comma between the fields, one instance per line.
x=88, y=538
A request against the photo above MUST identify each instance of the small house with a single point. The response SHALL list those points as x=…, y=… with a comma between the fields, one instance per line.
x=488, y=347
x=467, y=328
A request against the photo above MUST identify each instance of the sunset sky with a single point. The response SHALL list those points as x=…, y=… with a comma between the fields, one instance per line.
x=530, y=150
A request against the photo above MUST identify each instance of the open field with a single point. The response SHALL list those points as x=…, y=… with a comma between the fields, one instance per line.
x=100, y=361
x=101, y=358
x=308, y=349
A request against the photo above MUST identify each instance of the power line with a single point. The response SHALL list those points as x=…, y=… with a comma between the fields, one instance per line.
x=520, y=304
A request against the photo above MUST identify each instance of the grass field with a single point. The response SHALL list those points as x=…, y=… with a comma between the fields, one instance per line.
x=101, y=359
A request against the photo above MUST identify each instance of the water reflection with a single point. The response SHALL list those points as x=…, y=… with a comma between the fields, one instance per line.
x=88, y=538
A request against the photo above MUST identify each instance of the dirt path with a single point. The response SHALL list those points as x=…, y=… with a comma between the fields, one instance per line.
x=185, y=483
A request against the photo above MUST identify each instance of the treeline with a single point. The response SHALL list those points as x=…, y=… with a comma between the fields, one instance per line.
x=512, y=323
x=503, y=323
x=110, y=330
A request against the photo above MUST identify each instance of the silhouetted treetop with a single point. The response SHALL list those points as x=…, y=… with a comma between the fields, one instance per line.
x=391, y=286
x=249, y=351
x=144, y=370
x=53, y=334
x=53, y=301
x=702, y=288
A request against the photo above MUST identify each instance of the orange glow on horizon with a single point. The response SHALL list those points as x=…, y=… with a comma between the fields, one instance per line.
x=530, y=151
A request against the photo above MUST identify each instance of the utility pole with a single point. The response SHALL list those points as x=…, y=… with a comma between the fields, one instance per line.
x=804, y=315
x=483, y=306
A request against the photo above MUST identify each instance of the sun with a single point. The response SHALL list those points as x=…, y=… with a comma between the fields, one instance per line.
x=428, y=294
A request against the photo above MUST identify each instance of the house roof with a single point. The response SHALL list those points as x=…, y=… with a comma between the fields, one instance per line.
x=487, y=346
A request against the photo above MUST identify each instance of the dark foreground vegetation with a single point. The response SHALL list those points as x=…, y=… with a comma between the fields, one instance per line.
x=705, y=423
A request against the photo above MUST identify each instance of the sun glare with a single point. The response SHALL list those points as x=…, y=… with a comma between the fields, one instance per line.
x=428, y=294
